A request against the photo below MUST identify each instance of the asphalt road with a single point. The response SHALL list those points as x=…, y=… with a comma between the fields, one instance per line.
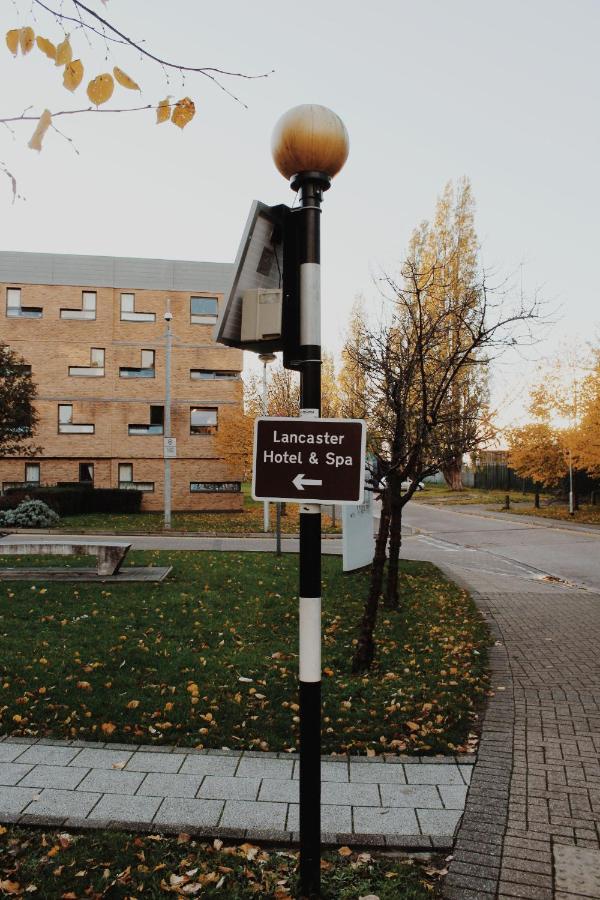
x=465, y=539
x=468, y=542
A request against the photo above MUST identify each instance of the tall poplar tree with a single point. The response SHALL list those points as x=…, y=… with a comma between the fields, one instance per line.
x=446, y=253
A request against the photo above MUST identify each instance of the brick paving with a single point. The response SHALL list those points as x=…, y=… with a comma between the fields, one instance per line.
x=531, y=826
x=413, y=803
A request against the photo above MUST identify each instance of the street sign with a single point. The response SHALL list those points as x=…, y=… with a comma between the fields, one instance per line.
x=170, y=448
x=309, y=460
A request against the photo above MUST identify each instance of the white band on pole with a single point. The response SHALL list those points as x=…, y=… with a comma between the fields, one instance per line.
x=310, y=639
x=310, y=304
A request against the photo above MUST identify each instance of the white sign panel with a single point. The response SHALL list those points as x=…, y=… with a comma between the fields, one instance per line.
x=170, y=448
x=358, y=540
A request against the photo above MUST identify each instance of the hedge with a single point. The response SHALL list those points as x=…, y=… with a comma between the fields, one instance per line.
x=73, y=501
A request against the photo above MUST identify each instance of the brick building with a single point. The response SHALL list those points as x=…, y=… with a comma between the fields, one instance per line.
x=93, y=332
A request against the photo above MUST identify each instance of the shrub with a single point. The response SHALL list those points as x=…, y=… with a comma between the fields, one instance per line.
x=29, y=514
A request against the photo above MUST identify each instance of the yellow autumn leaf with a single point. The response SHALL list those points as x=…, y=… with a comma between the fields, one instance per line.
x=163, y=111
x=44, y=123
x=413, y=726
x=46, y=46
x=133, y=704
x=183, y=112
x=64, y=54
x=26, y=39
x=12, y=40
x=100, y=89
x=124, y=79
x=108, y=728
x=73, y=74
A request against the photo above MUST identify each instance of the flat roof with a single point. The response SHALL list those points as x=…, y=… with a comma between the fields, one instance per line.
x=114, y=272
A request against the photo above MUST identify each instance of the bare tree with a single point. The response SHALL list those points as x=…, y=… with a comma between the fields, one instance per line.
x=412, y=365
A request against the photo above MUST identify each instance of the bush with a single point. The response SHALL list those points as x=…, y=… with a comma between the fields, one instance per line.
x=29, y=514
x=73, y=501
x=11, y=501
x=119, y=500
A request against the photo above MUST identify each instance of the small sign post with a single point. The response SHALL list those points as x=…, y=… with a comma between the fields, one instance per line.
x=170, y=448
x=309, y=460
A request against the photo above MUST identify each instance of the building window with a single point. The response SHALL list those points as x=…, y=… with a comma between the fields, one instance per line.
x=128, y=313
x=156, y=426
x=86, y=473
x=145, y=370
x=125, y=474
x=88, y=308
x=95, y=368
x=203, y=420
x=66, y=424
x=32, y=473
x=213, y=375
x=14, y=310
x=218, y=487
x=127, y=483
x=203, y=310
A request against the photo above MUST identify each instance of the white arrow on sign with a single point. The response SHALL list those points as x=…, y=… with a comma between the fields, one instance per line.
x=300, y=481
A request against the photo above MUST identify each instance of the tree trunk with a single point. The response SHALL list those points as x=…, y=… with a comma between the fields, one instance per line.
x=452, y=472
x=365, y=649
x=392, y=599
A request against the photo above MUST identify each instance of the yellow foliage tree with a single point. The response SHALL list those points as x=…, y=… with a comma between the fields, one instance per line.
x=445, y=254
x=330, y=394
x=233, y=441
x=539, y=452
x=568, y=391
x=352, y=382
x=586, y=440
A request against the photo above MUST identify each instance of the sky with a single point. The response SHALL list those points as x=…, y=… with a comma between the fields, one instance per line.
x=504, y=92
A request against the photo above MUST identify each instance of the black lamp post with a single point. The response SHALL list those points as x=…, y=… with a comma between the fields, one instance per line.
x=310, y=145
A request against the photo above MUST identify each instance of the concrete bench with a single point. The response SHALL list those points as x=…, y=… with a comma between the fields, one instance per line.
x=110, y=555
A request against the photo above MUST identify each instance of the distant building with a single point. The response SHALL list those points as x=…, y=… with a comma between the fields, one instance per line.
x=93, y=332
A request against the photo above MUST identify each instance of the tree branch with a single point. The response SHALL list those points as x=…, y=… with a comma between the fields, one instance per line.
x=207, y=71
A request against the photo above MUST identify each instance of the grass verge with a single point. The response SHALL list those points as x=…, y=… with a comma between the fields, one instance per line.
x=585, y=515
x=118, y=865
x=209, y=657
x=437, y=493
x=247, y=521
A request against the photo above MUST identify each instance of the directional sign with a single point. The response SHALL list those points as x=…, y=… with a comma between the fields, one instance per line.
x=309, y=460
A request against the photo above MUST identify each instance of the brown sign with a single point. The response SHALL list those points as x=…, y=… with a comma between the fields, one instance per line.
x=309, y=460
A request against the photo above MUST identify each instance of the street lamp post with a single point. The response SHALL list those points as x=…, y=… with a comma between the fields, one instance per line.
x=265, y=358
x=167, y=429
x=571, y=507
x=310, y=146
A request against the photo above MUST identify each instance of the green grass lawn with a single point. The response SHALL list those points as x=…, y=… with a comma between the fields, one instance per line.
x=52, y=864
x=209, y=657
x=248, y=520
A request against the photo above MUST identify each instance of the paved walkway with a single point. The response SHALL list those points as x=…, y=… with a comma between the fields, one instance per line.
x=412, y=803
x=531, y=827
